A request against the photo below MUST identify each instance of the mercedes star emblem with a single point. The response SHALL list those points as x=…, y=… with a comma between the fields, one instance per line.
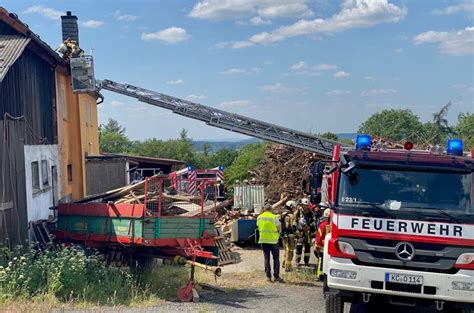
x=405, y=251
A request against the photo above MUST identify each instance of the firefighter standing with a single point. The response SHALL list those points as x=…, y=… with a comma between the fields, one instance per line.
x=305, y=231
x=324, y=228
x=289, y=224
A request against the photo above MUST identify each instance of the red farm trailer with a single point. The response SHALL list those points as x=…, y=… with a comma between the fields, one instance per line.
x=147, y=228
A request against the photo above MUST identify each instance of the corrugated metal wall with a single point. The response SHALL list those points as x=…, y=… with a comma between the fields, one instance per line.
x=105, y=174
x=249, y=197
x=28, y=89
x=13, y=214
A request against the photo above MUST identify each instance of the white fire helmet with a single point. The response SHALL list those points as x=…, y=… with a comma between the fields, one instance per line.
x=326, y=213
x=304, y=201
x=290, y=203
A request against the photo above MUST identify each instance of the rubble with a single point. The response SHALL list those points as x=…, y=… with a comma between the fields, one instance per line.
x=172, y=202
x=283, y=171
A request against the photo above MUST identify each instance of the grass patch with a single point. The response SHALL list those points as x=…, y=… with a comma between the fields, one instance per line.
x=231, y=281
x=301, y=276
x=65, y=277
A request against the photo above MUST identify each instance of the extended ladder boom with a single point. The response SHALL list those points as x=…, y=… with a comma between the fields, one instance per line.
x=225, y=120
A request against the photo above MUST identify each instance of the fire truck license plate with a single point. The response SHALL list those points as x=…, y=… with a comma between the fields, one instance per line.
x=404, y=279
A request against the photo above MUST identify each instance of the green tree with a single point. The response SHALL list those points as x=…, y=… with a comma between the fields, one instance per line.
x=112, y=138
x=438, y=130
x=393, y=125
x=249, y=156
x=330, y=136
x=465, y=129
x=224, y=157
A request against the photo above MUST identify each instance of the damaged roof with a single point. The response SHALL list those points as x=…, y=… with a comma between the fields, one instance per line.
x=13, y=44
x=11, y=47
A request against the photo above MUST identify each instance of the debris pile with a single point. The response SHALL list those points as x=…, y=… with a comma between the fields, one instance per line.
x=283, y=171
x=169, y=201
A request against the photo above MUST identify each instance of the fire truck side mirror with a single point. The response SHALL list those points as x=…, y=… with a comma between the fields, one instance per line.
x=348, y=168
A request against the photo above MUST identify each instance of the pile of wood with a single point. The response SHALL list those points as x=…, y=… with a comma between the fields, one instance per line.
x=172, y=202
x=283, y=171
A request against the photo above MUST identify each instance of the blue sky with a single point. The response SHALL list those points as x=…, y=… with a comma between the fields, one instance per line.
x=312, y=65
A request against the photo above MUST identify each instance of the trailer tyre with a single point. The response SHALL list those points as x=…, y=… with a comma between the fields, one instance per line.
x=142, y=262
x=334, y=304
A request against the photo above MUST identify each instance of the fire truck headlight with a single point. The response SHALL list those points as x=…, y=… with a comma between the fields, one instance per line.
x=465, y=258
x=460, y=285
x=345, y=247
x=343, y=274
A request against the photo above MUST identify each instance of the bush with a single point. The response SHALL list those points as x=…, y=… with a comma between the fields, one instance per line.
x=67, y=274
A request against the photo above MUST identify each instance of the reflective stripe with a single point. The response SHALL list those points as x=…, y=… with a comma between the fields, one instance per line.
x=267, y=227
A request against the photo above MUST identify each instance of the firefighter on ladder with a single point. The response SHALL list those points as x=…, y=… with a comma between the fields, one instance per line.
x=289, y=224
x=323, y=230
x=305, y=231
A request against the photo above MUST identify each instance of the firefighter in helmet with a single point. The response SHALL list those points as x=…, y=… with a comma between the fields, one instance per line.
x=306, y=226
x=289, y=224
x=324, y=229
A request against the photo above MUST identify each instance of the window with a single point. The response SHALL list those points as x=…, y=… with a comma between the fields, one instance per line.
x=69, y=172
x=35, y=180
x=451, y=192
x=44, y=173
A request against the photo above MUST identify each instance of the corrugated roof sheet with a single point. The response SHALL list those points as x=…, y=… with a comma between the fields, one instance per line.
x=11, y=47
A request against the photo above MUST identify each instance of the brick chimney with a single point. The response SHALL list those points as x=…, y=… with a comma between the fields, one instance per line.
x=70, y=27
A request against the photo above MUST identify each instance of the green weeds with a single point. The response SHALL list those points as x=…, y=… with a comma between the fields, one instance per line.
x=65, y=275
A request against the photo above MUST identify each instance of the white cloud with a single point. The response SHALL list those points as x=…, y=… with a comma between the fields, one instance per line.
x=49, y=13
x=354, y=14
x=341, y=74
x=170, y=35
x=236, y=71
x=233, y=44
x=276, y=88
x=257, y=20
x=325, y=67
x=175, y=82
x=234, y=9
x=338, y=92
x=464, y=6
x=92, y=24
x=378, y=92
x=456, y=43
x=234, y=104
x=302, y=68
x=299, y=66
x=398, y=50
x=368, y=77
x=122, y=17
x=197, y=97
x=296, y=9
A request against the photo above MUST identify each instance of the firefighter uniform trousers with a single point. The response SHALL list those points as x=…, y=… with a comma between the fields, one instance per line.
x=289, y=246
x=303, y=242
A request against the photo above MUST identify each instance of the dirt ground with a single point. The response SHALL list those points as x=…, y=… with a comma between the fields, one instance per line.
x=247, y=290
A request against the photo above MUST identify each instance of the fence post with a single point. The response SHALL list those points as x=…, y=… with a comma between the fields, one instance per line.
x=160, y=195
x=145, y=194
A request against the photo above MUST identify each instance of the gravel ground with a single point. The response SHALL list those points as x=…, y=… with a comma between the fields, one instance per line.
x=246, y=290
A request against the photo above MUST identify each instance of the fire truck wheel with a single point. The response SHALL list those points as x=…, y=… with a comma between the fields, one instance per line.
x=334, y=304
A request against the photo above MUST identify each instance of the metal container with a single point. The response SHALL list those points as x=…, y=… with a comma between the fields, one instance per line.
x=249, y=197
x=243, y=230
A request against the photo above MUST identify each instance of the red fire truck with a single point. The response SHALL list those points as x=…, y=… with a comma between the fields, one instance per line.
x=189, y=178
x=402, y=227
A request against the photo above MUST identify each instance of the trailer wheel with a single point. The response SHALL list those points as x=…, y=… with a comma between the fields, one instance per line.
x=141, y=262
x=334, y=304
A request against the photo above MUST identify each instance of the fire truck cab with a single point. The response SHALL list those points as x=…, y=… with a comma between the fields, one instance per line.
x=402, y=227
